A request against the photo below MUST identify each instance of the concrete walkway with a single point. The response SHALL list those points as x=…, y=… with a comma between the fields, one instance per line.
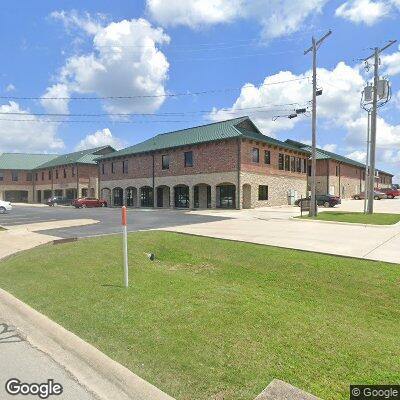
x=275, y=226
x=23, y=237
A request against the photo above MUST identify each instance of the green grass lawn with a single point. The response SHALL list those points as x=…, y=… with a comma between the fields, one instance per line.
x=357, y=217
x=214, y=319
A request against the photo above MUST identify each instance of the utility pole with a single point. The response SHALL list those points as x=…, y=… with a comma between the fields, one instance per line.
x=314, y=48
x=366, y=180
x=371, y=186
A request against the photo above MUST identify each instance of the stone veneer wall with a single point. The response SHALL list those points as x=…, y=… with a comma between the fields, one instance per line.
x=6, y=188
x=278, y=188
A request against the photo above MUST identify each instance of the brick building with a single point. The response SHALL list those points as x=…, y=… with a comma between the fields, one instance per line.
x=341, y=176
x=36, y=177
x=228, y=164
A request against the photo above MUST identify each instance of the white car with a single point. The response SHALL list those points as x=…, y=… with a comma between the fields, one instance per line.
x=5, y=206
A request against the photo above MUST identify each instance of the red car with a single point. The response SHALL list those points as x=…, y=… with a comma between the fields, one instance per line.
x=89, y=202
x=390, y=193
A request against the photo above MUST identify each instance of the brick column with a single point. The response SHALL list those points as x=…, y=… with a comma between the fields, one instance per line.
x=171, y=197
x=213, y=196
x=191, y=197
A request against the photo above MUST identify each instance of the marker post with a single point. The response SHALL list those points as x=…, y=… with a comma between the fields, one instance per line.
x=125, y=246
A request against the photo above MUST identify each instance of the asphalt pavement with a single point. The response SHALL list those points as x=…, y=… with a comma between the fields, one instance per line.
x=22, y=361
x=109, y=219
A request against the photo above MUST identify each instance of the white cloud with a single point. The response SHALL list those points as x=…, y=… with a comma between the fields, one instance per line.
x=125, y=62
x=391, y=63
x=388, y=136
x=103, y=137
x=341, y=86
x=277, y=18
x=358, y=155
x=363, y=11
x=26, y=133
x=194, y=13
x=56, y=106
x=330, y=147
x=10, y=88
x=72, y=19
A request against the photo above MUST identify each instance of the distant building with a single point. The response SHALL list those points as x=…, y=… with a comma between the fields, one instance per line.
x=36, y=177
x=341, y=176
x=228, y=164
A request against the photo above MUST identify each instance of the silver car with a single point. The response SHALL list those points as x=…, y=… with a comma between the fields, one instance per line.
x=377, y=196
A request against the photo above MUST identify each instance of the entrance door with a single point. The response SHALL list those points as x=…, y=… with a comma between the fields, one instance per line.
x=39, y=196
x=181, y=197
x=160, y=197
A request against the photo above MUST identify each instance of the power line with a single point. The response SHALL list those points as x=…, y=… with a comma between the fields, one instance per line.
x=236, y=110
x=211, y=91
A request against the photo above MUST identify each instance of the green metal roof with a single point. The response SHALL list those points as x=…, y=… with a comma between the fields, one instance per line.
x=79, y=157
x=328, y=155
x=23, y=161
x=201, y=134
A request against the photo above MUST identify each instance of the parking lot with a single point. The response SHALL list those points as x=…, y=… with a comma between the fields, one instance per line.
x=109, y=219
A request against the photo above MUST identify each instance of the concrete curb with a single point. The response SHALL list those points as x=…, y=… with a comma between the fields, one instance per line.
x=103, y=376
x=296, y=218
x=280, y=390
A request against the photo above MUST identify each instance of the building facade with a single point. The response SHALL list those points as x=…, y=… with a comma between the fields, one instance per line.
x=341, y=176
x=33, y=178
x=228, y=164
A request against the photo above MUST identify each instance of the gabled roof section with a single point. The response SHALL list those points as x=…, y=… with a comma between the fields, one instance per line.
x=78, y=157
x=24, y=161
x=232, y=128
x=328, y=155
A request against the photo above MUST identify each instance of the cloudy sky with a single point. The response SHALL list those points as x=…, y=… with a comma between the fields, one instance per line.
x=79, y=74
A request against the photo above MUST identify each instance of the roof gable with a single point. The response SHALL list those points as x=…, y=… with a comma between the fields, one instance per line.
x=87, y=156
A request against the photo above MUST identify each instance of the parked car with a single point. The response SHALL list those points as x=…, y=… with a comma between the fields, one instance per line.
x=89, y=202
x=377, y=195
x=325, y=200
x=58, y=200
x=5, y=206
x=390, y=193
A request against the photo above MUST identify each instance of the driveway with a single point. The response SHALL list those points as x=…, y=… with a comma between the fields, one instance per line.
x=109, y=219
x=270, y=225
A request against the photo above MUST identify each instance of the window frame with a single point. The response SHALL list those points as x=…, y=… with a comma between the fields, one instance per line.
x=281, y=162
x=14, y=176
x=165, y=162
x=263, y=192
x=124, y=166
x=255, y=155
x=185, y=157
x=267, y=157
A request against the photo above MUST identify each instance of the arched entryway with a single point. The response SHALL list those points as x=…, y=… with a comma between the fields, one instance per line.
x=118, y=197
x=181, y=196
x=131, y=196
x=202, y=195
x=106, y=195
x=246, y=196
x=226, y=195
x=146, y=196
x=163, y=196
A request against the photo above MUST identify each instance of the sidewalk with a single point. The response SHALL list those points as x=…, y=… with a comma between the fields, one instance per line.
x=368, y=242
x=23, y=237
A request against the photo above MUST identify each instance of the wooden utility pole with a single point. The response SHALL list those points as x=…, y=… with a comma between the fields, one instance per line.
x=314, y=48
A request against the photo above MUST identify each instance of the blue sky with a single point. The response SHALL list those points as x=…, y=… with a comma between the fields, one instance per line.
x=155, y=48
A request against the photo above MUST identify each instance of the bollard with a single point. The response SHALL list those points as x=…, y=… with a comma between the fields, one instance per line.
x=125, y=246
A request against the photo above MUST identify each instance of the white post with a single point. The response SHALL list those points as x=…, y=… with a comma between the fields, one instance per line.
x=125, y=246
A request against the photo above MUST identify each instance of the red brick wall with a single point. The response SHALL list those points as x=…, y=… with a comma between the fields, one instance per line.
x=207, y=158
x=247, y=165
x=60, y=179
x=7, y=178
